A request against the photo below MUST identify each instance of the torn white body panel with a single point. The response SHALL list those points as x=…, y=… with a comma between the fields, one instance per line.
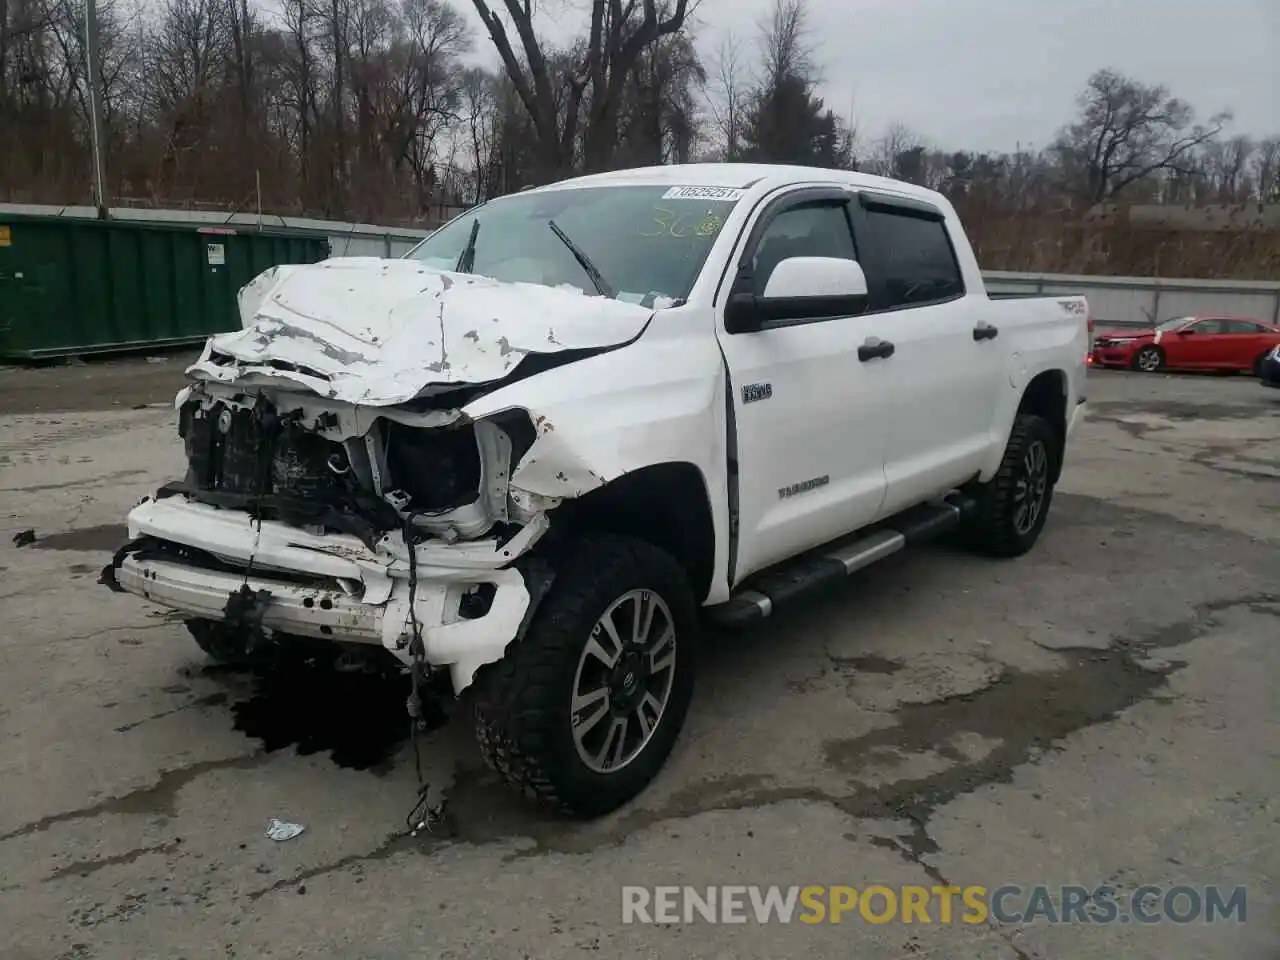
x=661, y=400
x=332, y=586
x=380, y=332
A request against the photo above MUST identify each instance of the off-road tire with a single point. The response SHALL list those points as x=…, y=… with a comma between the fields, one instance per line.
x=991, y=529
x=1149, y=351
x=523, y=702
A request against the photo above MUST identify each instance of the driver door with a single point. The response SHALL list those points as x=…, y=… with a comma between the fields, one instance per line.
x=809, y=415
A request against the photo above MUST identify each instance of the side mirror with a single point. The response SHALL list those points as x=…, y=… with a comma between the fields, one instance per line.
x=740, y=314
x=1186, y=331
x=816, y=278
x=801, y=288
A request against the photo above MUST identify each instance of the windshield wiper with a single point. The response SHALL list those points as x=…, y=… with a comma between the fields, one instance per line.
x=467, y=259
x=597, y=278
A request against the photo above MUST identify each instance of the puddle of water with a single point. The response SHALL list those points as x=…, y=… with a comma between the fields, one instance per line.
x=1021, y=712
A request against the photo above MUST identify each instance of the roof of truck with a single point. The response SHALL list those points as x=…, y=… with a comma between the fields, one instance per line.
x=743, y=176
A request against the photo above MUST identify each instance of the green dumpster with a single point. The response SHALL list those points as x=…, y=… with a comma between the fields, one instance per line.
x=78, y=286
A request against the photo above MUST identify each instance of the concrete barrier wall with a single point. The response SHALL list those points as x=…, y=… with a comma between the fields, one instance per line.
x=1143, y=301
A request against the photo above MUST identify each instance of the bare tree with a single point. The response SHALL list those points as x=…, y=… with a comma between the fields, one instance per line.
x=786, y=44
x=617, y=36
x=1127, y=131
x=242, y=24
x=438, y=35
x=1265, y=166
x=727, y=100
x=1224, y=168
x=786, y=121
x=898, y=153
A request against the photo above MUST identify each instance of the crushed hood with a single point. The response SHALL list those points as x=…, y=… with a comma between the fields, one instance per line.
x=378, y=332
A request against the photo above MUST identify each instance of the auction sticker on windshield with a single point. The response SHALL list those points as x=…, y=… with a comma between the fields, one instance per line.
x=724, y=194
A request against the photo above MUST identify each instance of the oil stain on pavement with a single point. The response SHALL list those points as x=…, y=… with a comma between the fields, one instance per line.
x=106, y=537
x=359, y=719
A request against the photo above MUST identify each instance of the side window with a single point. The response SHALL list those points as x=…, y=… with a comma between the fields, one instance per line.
x=819, y=229
x=1209, y=326
x=1240, y=326
x=914, y=258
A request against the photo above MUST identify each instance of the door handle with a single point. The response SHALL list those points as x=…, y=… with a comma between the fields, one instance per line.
x=985, y=331
x=875, y=349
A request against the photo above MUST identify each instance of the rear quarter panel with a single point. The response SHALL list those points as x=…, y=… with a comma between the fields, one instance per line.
x=1044, y=334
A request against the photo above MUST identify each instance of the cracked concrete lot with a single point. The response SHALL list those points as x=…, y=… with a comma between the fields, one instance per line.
x=1104, y=710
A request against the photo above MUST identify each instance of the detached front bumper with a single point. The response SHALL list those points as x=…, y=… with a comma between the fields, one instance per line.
x=468, y=601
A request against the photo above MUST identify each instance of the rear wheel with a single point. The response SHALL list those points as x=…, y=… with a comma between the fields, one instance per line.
x=1149, y=360
x=583, y=711
x=1013, y=506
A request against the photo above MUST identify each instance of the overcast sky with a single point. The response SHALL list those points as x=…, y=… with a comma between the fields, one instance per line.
x=989, y=74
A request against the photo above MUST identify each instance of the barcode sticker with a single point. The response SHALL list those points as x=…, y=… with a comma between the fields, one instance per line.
x=721, y=194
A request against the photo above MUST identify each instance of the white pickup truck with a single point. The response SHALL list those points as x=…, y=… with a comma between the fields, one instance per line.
x=535, y=455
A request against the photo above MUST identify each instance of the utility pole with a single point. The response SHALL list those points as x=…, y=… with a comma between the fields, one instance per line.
x=93, y=73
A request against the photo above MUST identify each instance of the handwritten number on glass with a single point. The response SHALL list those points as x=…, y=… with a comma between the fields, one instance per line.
x=667, y=223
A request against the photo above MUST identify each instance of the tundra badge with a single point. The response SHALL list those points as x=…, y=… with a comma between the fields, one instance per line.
x=804, y=486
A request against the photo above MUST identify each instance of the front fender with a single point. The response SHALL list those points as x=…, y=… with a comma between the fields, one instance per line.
x=658, y=400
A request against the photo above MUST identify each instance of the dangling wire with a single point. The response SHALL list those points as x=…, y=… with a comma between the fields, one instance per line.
x=423, y=814
x=266, y=453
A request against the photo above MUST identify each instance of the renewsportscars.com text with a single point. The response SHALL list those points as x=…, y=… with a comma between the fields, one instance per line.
x=879, y=904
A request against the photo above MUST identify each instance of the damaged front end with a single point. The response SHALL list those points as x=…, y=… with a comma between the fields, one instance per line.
x=305, y=516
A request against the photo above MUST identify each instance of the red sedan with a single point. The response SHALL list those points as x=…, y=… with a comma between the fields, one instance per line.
x=1189, y=343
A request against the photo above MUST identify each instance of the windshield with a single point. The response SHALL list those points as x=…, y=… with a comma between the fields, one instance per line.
x=1173, y=324
x=642, y=242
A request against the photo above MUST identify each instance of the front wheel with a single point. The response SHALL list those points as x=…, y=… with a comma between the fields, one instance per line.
x=1149, y=360
x=218, y=642
x=583, y=711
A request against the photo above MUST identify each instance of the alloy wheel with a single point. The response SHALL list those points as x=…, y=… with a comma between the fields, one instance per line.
x=623, y=681
x=1030, y=488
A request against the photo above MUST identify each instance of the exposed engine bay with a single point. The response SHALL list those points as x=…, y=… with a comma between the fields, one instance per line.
x=305, y=517
x=327, y=469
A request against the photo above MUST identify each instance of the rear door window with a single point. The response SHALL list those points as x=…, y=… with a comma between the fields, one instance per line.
x=915, y=262
x=1242, y=326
